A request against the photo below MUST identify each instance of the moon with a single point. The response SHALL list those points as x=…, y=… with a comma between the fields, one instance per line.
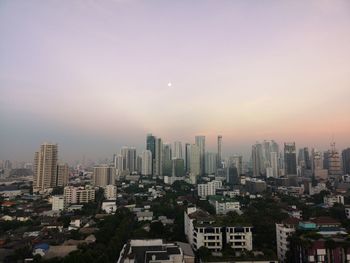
x=169, y=84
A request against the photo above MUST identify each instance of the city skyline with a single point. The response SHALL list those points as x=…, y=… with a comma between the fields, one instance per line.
x=248, y=155
x=94, y=77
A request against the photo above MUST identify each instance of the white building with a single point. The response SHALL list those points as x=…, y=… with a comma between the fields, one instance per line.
x=146, y=163
x=224, y=205
x=201, y=229
x=209, y=188
x=317, y=189
x=294, y=212
x=283, y=231
x=78, y=195
x=110, y=192
x=57, y=203
x=172, y=179
x=233, y=193
x=109, y=207
x=240, y=237
x=333, y=199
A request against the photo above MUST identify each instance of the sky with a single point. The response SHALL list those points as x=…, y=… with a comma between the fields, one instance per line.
x=93, y=75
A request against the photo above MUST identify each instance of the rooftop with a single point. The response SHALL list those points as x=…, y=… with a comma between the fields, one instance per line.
x=144, y=251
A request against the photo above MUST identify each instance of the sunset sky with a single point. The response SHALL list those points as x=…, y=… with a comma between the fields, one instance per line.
x=93, y=76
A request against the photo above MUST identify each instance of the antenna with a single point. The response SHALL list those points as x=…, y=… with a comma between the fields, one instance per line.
x=333, y=143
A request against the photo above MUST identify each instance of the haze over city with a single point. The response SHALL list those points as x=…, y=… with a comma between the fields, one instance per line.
x=93, y=76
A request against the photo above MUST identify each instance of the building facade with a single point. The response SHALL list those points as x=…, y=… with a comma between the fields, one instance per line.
x=45, y=167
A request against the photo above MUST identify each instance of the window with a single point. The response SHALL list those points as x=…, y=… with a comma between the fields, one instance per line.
x=239, y=230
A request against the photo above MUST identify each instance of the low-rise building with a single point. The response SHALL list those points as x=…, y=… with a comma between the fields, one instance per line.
x=57, y=203
x=153, y=251
x=254, y=185
x=78, y=195
x=203, y=230
x=144, y=216
x=109, y=206
x=326, y=244
x=333, y=199
x=223, y=205
x=283, y=231
x=209, y=188
x=110, y=192
x=294, y=212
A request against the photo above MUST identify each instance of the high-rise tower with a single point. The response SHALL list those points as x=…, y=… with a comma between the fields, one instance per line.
x=167, y=157
x=346, y=160
x=151, y=146
x=158, y=162
x=334, y=163
x=45, y=167
x=187, y=157
x=219, y=156
x=195, y=160
x=200, y=142
x=290, y=158
x=129, y=158
x=177, y=153
x=146, y=163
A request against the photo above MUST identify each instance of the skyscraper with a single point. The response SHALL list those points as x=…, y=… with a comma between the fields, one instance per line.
x=129, y=158
x=139, y=163
x=195, y=166
x=334, y=163
x=151, y=146
x=290, y=158
x=274, y=163
x=167, y=157
x=45, y=167
x=346, y=160
x=317, y=167
x=62, y=174
x=219, y=156
x=146, y=163
x=177, y=153
x=261, y=156
x=304, y=160
x=210, y=163
x=104, y=175
x=232, y=175
x=257, y=160
x=187, y=157
x=200, y=142
x=178, y=169
x=158, y=162
x=119, y=164
x=236, y=161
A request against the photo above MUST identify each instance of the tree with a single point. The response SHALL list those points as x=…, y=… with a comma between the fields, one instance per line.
x=204, y=253
x=157, y=229
x=58, y=190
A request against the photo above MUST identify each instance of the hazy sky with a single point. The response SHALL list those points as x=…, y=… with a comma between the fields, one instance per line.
x=93, y=75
